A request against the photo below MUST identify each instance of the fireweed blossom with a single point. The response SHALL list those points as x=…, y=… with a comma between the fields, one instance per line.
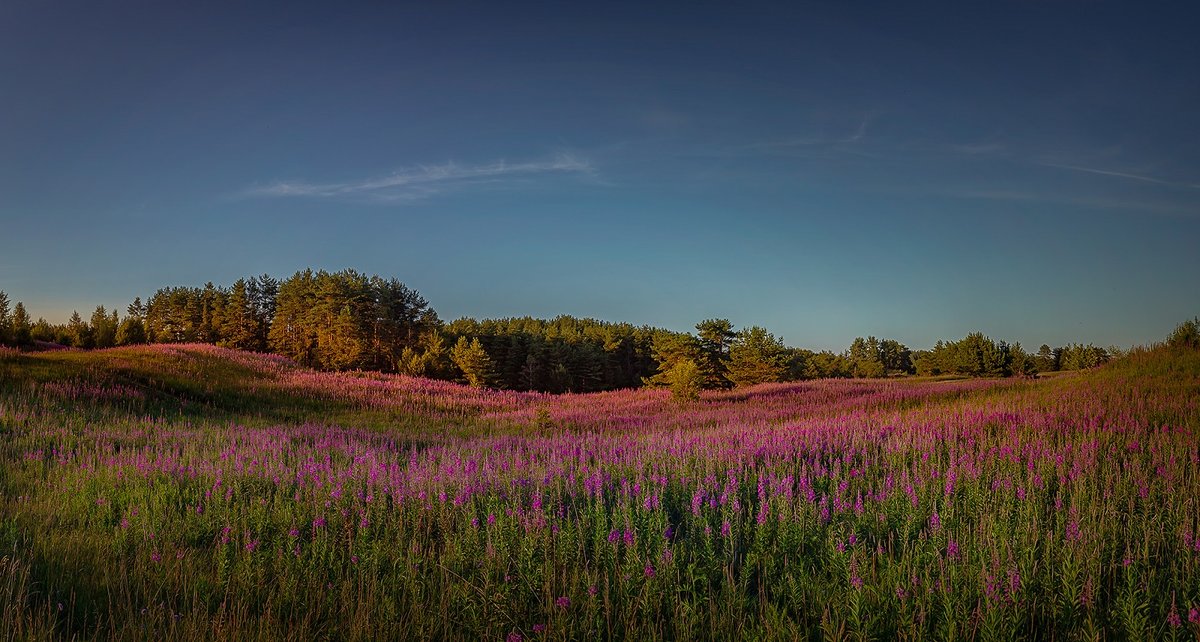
x=862, y=467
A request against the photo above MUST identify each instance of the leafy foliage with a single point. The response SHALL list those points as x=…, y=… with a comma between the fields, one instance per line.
x=350, y=321
x=687, y=380
x=563, y=354
x=756, y=356
x=716, y=337
x=1186, y=335
x=473, y=361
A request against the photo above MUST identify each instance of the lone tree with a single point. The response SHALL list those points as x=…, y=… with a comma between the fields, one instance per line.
x=473, y=360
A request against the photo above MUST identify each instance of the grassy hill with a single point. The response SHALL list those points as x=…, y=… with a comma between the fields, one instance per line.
x=193, y=492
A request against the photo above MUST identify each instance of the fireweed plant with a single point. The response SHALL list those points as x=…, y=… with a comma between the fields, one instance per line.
x=190, y=492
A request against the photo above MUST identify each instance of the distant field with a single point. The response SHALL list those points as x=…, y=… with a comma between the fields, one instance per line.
x=196, y=493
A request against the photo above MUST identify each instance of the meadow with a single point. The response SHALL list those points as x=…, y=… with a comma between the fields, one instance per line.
x=196, y=493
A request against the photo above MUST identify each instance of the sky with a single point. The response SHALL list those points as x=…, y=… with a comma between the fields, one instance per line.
x=826, y=170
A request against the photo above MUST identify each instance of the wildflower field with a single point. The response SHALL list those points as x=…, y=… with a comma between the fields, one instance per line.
x=195, y=493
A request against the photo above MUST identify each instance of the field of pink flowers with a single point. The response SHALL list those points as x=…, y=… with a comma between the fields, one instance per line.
x=189, y=492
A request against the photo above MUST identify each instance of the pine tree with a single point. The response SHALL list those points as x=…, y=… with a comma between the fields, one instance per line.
x=42, y=331
x=473, y=360
x=131, y=331
x=1045, y=359
x=756, y=356
x=1021, y=363
x=104, y=329
x=396, y=316
x=239, y=329
x=435, y=356
x=895, y=356
x=1185, y=336
x=293, y=332
x=345, y=346
x=21, y=327
x=266, y=292
x=136, y=309
x=669, y=349
x=5, y=320
x=341, y=318
x=979, y=356
x=865, y=357
x=826, y=365
x=78, y=334
x=715, y=337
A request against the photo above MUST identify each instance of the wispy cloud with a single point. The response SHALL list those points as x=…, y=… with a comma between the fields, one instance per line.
x=1128, y=175
x=423, y=181
x=850, y=138
x=1085, y=162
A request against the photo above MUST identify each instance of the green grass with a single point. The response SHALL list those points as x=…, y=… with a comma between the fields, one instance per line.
x=192, y=493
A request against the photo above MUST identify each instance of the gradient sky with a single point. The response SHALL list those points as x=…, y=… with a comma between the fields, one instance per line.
x=1027, y=169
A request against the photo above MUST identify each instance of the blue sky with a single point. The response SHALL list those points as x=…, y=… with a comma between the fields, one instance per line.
x=1026, y=169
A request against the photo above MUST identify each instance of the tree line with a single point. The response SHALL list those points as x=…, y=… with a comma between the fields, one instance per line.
x=351, y=321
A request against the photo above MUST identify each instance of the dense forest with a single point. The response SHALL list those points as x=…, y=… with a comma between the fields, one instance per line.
x=350, y=321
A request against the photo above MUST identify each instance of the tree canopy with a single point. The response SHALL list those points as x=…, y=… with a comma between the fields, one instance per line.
x=756, y=356
x=347, y=320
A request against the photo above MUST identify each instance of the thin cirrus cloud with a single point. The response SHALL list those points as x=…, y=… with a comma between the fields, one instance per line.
x=423, y=181
x=999, y=149
x=1128, y=175
x=856, y=136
